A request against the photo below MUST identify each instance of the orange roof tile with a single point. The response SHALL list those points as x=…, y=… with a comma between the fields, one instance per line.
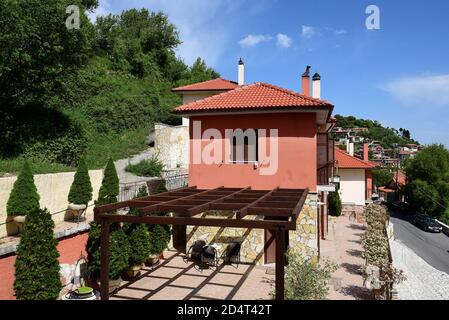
x=346, y=161
x=218, y=84
x=254, y=96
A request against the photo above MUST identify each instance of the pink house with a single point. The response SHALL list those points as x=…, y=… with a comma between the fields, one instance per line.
x=260, y=136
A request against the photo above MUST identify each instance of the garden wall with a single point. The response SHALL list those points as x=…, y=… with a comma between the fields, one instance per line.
x=172, y=145
x=53, y=190
x=70, y=250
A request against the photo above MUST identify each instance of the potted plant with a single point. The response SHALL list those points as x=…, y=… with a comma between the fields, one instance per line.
x=159, y=239
x=140, y=248
x=119, y=251
x=24, y=197
x=81, y=190
x=109, y=189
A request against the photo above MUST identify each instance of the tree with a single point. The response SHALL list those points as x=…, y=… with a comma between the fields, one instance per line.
x=37, y=267
x=428, y=176
x=37, y=47
x=109, y=189
x=24, y=197
x=81, y=188
x=382, y=177
x=334, y=202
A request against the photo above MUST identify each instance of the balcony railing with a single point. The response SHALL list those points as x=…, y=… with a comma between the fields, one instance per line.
x=325, y=173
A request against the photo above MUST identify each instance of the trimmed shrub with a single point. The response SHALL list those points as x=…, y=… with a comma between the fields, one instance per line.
x=140, y=244
x=334, y=202
x=109, y=189
x=159, y=238
x=146, y=168
x=24, y=197
x=306, y=279
x=140, y=194
x=81, y=189
x=119, y=251
x=37, y=266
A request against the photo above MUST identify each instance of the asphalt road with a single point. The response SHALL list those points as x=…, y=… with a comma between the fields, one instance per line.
x=432, y=247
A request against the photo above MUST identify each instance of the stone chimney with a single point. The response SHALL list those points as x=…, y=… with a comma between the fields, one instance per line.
x=241, y=73
x=306, y=82
x=316, y=86
x=366, y=151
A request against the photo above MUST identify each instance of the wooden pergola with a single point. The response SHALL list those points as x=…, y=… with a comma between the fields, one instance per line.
x=277, y=211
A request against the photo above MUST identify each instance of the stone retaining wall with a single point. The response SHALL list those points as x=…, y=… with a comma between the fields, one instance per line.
x=172, y=145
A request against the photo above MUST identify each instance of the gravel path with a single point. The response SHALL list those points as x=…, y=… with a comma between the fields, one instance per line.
x=423, y=281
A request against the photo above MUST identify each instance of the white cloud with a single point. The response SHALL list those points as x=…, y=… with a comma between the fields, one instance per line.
x=253, y=40
x=283, y=40
x=308, y=31
x=425, y=91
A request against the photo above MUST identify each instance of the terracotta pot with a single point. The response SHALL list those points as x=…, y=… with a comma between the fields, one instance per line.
x=153, y=259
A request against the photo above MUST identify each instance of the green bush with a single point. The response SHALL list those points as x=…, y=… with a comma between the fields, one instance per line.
x=37, y=266
x=109, y=189
x=140, y=244
x=140, y=194
x=334, y=203
x=81, y=188
x=159, y=238
x=306, y=279
x=146, y=168
x=24, y=197
x=119, y=251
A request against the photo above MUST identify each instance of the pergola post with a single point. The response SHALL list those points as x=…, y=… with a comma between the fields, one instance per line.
x=104, y=260
x=280, y=263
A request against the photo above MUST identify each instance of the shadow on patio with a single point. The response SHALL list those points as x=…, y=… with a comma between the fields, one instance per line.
x=177, y=279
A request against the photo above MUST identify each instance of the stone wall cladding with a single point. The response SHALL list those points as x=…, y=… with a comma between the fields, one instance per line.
x=172, y=145
x=303, y=239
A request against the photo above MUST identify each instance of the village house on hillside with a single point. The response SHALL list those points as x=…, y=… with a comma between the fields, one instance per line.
x=303, y=122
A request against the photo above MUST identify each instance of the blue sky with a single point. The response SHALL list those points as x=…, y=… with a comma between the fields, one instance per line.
x=398, y=75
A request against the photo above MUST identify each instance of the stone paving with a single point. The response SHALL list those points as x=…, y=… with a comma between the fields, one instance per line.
x=177, y=279
x=423, y=281
x=344, y=247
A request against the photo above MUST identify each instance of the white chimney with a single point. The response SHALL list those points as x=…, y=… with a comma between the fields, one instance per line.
x=241, y=75
x=316, y=86
x=351, y=148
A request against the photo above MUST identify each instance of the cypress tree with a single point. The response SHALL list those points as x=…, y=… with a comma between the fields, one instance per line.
x=109, y=189
x=37, y=267
x=24, y=197
x=81, y=189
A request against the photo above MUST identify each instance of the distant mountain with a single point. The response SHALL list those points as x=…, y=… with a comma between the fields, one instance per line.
x=376, y=132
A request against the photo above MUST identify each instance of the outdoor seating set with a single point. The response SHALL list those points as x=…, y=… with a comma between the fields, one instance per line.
x=209, y=255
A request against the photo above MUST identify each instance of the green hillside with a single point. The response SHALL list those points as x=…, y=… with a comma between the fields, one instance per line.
x=94, y=91
x=385, y=135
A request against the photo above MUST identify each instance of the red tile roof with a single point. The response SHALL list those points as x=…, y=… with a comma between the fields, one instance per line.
x=218, y=84
x=346, y=161
x=254, y=96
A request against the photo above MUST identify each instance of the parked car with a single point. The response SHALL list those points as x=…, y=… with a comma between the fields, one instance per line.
x=426, y=223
